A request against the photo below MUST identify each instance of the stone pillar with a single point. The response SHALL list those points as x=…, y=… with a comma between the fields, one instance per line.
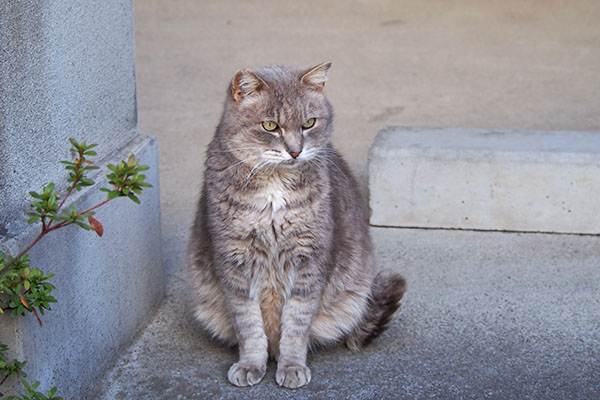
x=67, y=69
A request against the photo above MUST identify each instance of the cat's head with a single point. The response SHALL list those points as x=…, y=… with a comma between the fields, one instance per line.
x=277, y=115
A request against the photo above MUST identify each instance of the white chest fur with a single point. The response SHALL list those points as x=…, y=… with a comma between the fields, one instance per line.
x=274, y=195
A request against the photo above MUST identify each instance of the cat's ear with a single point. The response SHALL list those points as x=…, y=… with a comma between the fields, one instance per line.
x=244, y=84
x=316, y=77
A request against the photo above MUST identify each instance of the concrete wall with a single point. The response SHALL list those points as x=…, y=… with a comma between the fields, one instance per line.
x=67, y=70
x=107, y=288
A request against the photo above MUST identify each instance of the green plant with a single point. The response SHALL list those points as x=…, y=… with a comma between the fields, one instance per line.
x=27, y=290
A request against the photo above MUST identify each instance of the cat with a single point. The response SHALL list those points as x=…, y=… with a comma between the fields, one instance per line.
x=280, y=256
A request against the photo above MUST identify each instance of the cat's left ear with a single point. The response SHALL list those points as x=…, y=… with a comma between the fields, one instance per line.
x=316, y=77
x=244, y=84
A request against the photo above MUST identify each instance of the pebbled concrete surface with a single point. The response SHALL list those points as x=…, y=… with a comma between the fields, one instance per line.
x=484, y=179
x=487, y=315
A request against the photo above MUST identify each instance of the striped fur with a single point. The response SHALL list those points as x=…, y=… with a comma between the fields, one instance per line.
x=280, y=257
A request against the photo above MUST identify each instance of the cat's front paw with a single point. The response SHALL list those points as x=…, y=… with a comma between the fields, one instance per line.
x=243, y=374
x=292, y=376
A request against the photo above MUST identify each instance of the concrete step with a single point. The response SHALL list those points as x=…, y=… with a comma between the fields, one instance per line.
x=539, y=181
x=486, y=315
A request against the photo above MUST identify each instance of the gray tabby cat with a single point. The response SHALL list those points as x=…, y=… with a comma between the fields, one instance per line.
x=280, y=254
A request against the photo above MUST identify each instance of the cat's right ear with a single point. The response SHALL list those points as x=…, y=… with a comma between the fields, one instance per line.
x=244, y=84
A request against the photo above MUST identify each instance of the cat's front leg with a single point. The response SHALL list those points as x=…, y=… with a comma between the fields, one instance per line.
x=252, y=341
x=297, y=315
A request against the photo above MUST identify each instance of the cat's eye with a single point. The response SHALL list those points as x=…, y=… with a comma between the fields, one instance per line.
x=309, y=123
x=269, y=126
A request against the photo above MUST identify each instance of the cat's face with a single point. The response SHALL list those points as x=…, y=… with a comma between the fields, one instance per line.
x=277, y=116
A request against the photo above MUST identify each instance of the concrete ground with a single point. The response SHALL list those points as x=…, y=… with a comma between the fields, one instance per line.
x=487, y=315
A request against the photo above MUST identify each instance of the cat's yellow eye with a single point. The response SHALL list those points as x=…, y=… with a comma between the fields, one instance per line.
x=269, y=126
x=309, y=123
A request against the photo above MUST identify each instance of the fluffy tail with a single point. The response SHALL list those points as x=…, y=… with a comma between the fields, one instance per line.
x=386, y=292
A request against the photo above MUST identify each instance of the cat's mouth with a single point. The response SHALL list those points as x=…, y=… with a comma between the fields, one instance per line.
x=290, y=162
x=282, y=159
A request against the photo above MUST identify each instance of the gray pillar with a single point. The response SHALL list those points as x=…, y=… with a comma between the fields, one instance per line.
x=67, y=69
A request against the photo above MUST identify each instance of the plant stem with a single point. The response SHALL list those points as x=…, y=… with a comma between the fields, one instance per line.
x=103, y=202
x=62, y=202
x=46, y=230
x=67, y=223
x=22, y=253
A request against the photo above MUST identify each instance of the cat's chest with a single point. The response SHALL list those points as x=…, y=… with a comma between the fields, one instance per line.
x=274, y=196
x=276, y=222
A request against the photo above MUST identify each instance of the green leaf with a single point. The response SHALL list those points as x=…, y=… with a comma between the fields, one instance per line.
x=134, y=198
x=74, y=143
x=83, y=225
x=34, y=217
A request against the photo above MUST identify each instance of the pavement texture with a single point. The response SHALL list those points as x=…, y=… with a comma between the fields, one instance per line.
x=486, y=315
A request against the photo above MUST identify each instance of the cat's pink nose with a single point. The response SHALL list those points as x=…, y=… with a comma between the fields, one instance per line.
x=294, y=154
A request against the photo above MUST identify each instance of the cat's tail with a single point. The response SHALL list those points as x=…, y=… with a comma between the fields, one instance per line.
x=386, y=292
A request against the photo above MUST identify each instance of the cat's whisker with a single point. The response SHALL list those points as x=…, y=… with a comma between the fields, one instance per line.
x=273, y=156
x=272, y=167
x=259, y=166
x=244, y=161
x=235, y=149
x=323, y=153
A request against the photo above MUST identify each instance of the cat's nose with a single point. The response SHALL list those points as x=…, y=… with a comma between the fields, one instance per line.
x=294, y=154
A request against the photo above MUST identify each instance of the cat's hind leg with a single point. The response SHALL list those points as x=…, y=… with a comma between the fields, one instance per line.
x=208, y=304
x=340, y=312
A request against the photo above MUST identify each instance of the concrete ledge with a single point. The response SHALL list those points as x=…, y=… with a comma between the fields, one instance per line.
x=486, y=179
x=107, y=288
